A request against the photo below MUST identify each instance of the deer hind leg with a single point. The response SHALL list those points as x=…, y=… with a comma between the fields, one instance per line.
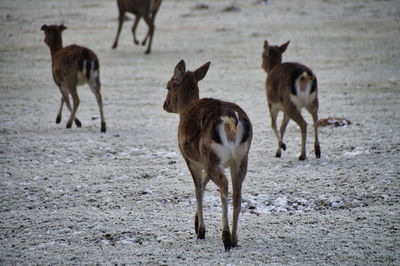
x=217, y=176
x=314, y=113
x=120, y=23
x=135, y=24
x=150, y=23
x=285, y=121
x=199, y=184
x=76, y=101
x=238, y=172
x=59, y=115
x=295, y=115
x=65, y=98
x=274, y=114
x=95, y=87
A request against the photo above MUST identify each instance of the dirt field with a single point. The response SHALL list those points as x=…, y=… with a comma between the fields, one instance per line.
x=76, y=196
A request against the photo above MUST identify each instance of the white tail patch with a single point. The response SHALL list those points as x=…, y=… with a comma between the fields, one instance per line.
x=303, y=87
x=303, y=84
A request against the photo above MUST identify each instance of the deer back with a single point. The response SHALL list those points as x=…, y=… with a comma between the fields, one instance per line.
x=286, y=79
x=142, y=7
x=75, y=63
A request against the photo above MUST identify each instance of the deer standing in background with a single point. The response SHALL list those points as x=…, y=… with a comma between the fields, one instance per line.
x=140, y=8
x=212, y=135
x=72, y=66
x=289, y=88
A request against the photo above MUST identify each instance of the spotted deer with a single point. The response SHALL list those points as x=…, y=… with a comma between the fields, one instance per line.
x=72, y=66
x=290, y=87
x=212, y=135
x=140, y=8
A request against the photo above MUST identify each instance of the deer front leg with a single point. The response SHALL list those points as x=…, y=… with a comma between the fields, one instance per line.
x=274, y=114
x=295, y=115
x=120, y=23
x=65, y=98
x=196, y=173
x=76, y=101
x=199, y=222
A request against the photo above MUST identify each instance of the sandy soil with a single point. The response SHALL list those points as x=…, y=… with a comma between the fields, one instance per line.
x=76, y=196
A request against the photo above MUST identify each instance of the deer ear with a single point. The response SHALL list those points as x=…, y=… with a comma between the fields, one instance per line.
x=44, y=27
x=266, y=45
x=283, y=47
x=62, y=27
x=180, y=70
x=201, y=72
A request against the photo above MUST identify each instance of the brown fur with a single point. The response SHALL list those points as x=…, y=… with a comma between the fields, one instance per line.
x=199, y=135
x=72, y=66
x=281, y=95
x=140, y=8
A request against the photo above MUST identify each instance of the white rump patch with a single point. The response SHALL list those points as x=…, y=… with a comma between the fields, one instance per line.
x=303, y=85
x=231, y=150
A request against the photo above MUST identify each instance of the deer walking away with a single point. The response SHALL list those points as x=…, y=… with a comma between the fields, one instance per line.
x=289, y=88
x=140, y=8
x=213, y=135
x=73, y=66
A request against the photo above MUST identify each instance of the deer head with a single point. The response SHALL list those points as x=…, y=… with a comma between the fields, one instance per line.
x=272, y=55
x=182, y=87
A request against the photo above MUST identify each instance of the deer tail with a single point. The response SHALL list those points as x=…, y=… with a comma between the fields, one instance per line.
x=89, y=65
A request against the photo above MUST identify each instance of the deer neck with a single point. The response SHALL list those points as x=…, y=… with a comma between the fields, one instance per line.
x=270, y=65
x=186, y=99
x=55, y=46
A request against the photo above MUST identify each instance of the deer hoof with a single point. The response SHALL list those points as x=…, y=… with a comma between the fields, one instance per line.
x=283, y=145
x=234, y=241
x=317, y=152
x=226, y=238
x=302, y=157
x=103, y=127
x=196, y=224
x=201, y=234
x=58, y=119
x=69, y=125
x=147, y=52
x=78, y=123
x=278, y=154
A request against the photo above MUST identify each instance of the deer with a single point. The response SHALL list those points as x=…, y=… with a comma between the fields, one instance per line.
x=140, y=8
x=72, y=66
x=290, y=87
x=212, y=135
